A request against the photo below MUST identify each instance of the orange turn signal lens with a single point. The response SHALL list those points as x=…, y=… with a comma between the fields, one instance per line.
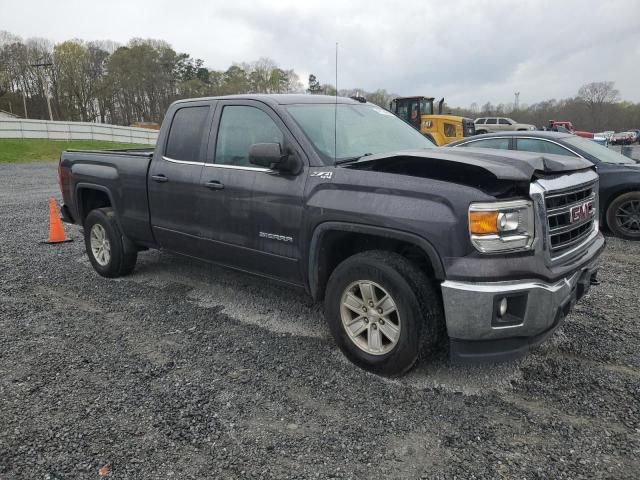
x=482, y=223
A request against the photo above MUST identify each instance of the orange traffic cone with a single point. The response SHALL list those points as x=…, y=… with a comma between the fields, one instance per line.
x=56, y=230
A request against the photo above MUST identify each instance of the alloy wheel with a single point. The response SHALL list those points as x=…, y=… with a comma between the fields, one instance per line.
x=628, y=217
x=100, y=246
x=370, y=317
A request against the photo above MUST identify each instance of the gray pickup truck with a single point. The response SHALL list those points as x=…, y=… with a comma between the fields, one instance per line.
x=409, y=245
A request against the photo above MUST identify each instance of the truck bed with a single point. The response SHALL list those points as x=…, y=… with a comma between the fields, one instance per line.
x=120, y=174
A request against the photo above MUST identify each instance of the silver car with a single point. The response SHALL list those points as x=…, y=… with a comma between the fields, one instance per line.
x=500, y=124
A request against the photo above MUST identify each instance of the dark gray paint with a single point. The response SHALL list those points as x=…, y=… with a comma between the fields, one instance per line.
x=223, y=225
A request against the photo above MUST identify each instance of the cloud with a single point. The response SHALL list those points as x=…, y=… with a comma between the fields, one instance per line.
x=468, y=51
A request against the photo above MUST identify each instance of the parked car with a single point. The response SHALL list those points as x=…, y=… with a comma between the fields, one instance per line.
x=636, y=134
x=499, y=124
x=407, y=244
x=600, y=139
x=606, y=135
x=623, y=138
x=619, y=175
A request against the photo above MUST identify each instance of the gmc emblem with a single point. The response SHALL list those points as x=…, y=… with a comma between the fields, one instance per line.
x=581, y=212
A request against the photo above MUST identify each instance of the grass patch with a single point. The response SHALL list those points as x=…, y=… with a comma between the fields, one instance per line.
x=37, y=150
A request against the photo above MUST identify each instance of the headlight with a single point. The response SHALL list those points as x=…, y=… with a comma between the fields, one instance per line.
x=501, y=226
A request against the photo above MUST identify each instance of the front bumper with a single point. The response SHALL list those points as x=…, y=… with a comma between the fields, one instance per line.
x=478, y=333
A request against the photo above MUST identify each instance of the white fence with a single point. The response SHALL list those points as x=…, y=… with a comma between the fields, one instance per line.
x=75, y=131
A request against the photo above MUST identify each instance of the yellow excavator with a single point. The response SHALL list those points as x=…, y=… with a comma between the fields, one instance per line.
x=440, y=129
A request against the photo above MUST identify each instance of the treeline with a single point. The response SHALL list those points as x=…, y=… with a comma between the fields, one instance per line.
x=110, y=83
x=596, y=107
x=107, y=83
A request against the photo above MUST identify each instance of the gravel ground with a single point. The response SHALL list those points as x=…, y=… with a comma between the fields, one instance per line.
x=184, y=370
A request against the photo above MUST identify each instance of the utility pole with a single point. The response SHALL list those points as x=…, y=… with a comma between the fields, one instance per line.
x=41, y=65
x=516, y=102
x=24, y=103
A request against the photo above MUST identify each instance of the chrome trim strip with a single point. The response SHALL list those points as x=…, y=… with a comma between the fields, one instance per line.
x=523, y=138
x=231, y=167
x=238, y=167
x=186, y=162
x=565, y=191
x=567, y=181
x=509, y=285
x=499, y=205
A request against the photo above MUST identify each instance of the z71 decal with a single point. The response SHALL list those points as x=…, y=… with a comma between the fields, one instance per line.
x=323, y=175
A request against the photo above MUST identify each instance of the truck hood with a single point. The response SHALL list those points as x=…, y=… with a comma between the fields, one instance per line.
x=502, y=164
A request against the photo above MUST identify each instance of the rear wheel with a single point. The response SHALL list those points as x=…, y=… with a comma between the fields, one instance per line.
x=383, y=312
x=623, y=216
x=105, y=244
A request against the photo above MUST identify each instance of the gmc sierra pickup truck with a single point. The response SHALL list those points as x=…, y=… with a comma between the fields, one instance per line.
x=407, y=244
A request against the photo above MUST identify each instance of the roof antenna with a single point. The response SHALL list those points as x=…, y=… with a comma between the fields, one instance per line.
x=335, y=115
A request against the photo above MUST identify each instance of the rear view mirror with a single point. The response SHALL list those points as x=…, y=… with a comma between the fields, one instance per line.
x=270, y=155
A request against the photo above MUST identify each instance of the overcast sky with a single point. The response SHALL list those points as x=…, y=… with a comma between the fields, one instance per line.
x=465, y=50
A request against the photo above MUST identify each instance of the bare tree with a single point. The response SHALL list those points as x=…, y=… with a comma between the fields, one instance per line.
x=596, y=96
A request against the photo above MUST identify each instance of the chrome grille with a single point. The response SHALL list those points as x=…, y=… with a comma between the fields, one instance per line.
x=570, y=221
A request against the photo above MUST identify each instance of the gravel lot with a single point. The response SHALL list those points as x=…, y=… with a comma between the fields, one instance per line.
x=184, y=370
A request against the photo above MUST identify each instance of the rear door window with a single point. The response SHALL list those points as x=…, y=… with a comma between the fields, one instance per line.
x=541, y=146
x=504, y=121
x=187, y=132
x=491, y=121
x=499, y=143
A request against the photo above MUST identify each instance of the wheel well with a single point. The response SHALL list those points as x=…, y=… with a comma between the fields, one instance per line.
x=90, y=199
x=337, y=246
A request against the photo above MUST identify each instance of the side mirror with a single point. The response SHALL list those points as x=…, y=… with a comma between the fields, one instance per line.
x=269, y=155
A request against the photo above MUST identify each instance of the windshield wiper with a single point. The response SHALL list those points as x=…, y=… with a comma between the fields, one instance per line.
x=351, y=159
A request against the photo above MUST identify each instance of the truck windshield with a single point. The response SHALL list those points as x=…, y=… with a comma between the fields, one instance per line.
x=603, y=154
x=361, y=130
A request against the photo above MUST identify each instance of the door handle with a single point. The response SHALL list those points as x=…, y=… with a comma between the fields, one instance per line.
x=159, y=178
x=214, y=185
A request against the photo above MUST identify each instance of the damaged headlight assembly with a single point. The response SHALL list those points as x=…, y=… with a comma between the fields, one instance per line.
x=498, y=227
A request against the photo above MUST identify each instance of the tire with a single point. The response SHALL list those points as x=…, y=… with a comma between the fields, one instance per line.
x=419, y=314
x=113, y=260
x=481, y=132
x=625, y=208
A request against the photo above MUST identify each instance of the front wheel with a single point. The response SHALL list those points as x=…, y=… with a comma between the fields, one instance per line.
x=105, y=245
x=623, y=216
x=383, y=312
